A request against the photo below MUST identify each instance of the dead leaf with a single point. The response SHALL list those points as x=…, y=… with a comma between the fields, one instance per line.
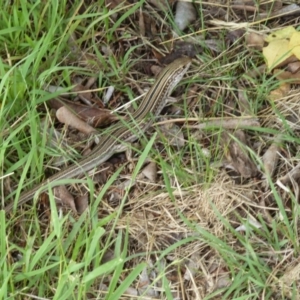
x=82, y=203
x=67, y=117
x=233, y=35
x=254, y=40
x=293, y=67
x=235, y=150
x=150, y=171
x=96, y=117
x=64, y=196
x=287, y=76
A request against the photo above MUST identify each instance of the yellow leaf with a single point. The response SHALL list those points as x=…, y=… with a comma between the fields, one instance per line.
x=284, y=33
x=295, y=44
x=276, y=52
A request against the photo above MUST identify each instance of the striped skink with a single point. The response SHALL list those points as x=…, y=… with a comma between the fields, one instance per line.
x=113, y=142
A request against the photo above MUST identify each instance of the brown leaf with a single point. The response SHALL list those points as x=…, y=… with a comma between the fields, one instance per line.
x=237, y=154
x=97, y=117
x=67, y=117
x=294, y=67
x=255, y=40
x=150, y=171
x=285, y=75
x=65, y=197
x=233, y=35
x=82, y=203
